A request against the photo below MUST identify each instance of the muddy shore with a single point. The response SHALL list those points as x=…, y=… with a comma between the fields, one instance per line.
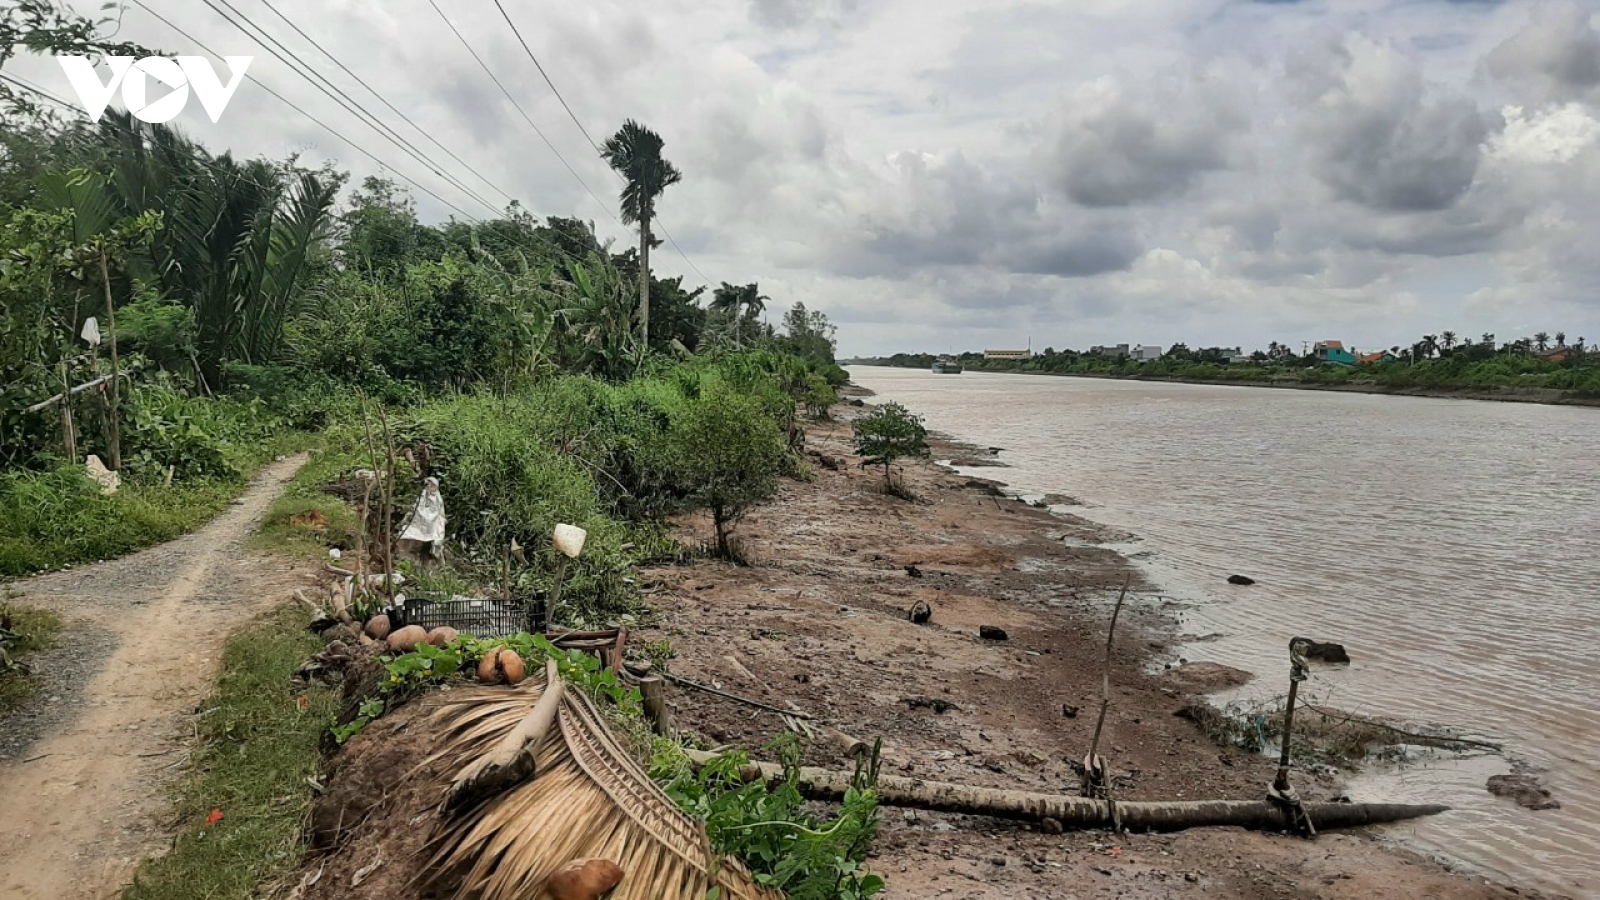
x=819, y=624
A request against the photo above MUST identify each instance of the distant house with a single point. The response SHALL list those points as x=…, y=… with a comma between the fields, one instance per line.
x=1008, y=354
x=1119, y=350
x=1147, y=353
x=1239, y=358
x=1382, y=356
x=1556, y=354
x=1333, y=352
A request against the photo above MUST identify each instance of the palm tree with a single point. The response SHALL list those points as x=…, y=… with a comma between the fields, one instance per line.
x=1488, y=338
x=1577, y=345
x=1561, y=339
x=1430, y=345
x=727, y=299
x=753, y=301
x=635, y=152
x=1448, y=339
x=1541, y=341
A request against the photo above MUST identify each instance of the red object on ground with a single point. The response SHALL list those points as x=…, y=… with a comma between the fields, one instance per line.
x=214, y=818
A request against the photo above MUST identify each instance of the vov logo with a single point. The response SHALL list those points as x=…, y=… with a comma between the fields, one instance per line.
x=179, y=73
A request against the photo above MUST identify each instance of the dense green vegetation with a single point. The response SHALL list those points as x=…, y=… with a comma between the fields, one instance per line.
x=1439, y=363
x=248, y=307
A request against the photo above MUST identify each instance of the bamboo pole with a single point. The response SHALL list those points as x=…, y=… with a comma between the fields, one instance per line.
x=116, y=376
x=1078, y=812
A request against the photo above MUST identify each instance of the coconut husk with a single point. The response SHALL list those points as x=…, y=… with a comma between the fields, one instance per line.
x=589, y=799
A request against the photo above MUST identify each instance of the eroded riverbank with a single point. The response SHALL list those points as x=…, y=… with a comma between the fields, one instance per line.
x=820, y=623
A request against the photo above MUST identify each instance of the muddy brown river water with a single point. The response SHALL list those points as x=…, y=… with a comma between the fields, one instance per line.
x=1453, y=546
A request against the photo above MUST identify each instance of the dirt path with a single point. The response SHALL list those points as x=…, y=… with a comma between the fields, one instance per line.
x=87, y=764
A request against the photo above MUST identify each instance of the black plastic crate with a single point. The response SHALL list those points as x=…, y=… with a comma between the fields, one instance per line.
x=480, y=617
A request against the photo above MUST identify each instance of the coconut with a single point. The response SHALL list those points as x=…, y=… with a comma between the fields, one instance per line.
x=442, y=636
x=513, y=667
x=378, y=627
x=502, y=664
x=584, y=879
x=406, y=639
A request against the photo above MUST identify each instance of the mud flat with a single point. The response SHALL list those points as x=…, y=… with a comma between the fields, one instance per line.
x=820, y=625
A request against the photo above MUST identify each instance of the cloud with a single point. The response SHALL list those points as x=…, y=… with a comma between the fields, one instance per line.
x=944, y=175
x=1385, y=138
x=1557, y=54
x=1116, y=146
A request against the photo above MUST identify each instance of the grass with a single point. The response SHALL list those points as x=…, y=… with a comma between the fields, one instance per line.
x=258, y=746
x=23, y=629
x=304, y=520
x=54, y=519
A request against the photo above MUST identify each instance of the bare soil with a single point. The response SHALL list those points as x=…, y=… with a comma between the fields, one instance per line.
x=86, y=764
x=820, y=625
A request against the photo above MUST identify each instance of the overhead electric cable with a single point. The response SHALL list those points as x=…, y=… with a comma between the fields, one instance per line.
x=335, y=93
x=326, y=127
x=370, y=89
x=576, y=121
x=529, y=119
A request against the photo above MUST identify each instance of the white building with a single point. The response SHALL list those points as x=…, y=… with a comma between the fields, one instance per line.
x=1147, y=352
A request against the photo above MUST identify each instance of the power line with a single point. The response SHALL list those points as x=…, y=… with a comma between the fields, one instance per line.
x=333, y=92
x=370, y=89
x=546, y=243
x=525, y=116
x=573, y=116
x=326, y=127
x=35, y=89
x=526, y=49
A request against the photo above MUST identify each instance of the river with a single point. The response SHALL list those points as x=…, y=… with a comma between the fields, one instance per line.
x=1452, y=545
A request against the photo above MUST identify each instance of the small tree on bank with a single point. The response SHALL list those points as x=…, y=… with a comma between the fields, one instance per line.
x=726, y=455
x=888, y=433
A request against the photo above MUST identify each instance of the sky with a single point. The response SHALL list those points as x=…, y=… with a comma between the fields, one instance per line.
x=947, y=176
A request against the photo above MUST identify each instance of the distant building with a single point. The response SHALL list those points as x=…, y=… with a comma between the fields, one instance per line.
x=1147, y=352
x=1008, y=354
x=1556, y=354
x=1368, y=359
x=1120, y=350
x=1333, y=352
x=1239, y=358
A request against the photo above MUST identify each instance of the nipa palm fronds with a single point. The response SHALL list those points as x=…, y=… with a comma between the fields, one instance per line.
x=588, y=799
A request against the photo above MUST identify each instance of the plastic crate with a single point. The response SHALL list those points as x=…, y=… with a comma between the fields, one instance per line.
x=484, y=617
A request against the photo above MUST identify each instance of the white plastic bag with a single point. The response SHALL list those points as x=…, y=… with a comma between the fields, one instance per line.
x=427, y=520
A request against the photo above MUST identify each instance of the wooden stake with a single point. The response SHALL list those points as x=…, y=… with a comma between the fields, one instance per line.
x=1094, y=780
x=653, y=688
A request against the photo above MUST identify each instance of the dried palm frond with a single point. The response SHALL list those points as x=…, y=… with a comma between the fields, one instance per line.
x=588, y=799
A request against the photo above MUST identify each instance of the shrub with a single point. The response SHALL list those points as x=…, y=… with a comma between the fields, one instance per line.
x=890, y=432
x=725, y=456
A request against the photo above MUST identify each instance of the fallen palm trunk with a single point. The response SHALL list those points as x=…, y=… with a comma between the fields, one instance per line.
x=1082, y=812
x=514, y=758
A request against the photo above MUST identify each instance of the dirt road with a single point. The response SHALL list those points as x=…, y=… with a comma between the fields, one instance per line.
x=87, y=763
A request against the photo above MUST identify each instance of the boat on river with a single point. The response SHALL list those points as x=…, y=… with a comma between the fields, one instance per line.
x=944, y=365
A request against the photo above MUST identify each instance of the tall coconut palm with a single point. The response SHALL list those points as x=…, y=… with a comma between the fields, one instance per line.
x=1447, y=340
x=635, y=152
x=1541, y=341
x=1561, y=339
x=753, y=301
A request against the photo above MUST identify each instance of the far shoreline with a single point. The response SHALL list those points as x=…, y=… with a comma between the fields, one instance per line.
x=1540, y=396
